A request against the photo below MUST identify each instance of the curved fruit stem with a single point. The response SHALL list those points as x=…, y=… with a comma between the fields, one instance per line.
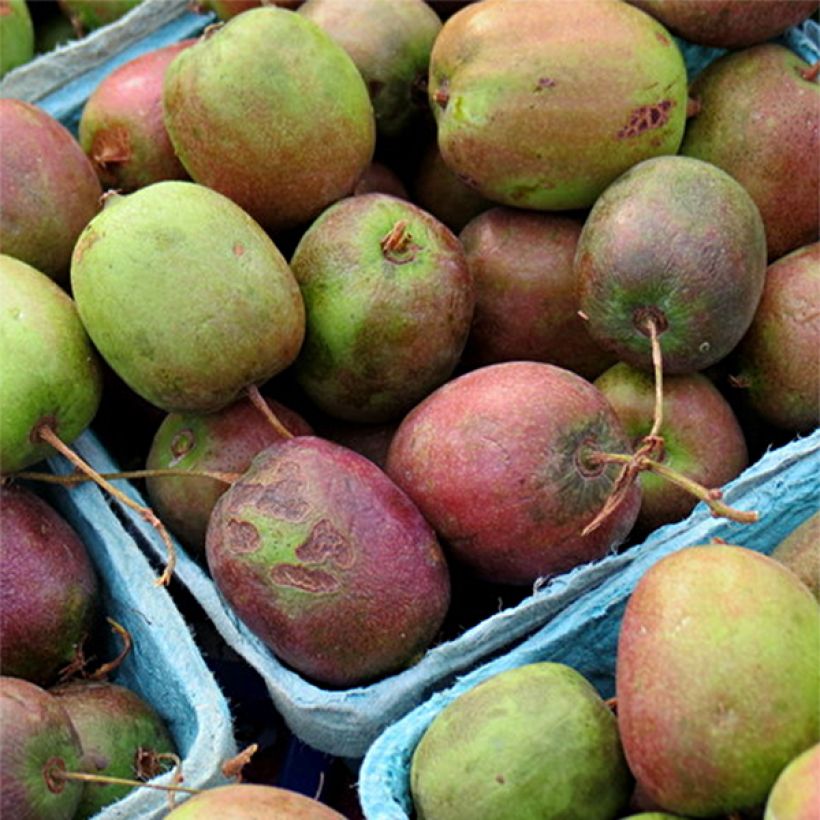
x=56, y=773
x=258, y=401
x=109, y=667
x=48, y=435
x=162, y=472
x=657, y=365
x=711, y=497
x=232, y=768
x=651, y=444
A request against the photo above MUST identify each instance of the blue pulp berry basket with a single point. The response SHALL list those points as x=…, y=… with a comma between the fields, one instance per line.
x=164, y=666
x=782, y=486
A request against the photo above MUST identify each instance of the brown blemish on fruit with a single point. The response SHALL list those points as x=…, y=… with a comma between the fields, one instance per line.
x=242, y=536
x=5, y=7
x=499, y=778
x=283, y=499
x=441, y=96
x=693, y=106
x=111, y=146
x=646, y=118
x=545, y=82
x=238, y=249
x=309, y=580
x=182, y=443
x=325, y=543
x=662, y=38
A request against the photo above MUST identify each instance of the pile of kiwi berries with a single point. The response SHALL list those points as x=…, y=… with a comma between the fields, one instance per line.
x=516, y=291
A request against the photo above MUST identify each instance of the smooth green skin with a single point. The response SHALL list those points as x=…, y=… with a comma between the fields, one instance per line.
x=702, y=437
x=533, y=742
x=112, y=723
x=717, y=678
x=775, y=362
x=698, y=257
x=185, y=296
x=531, y=120
x=249, y=801
x=653, y=815
x=390, y=43
x=282, y=131
x=16, y=35
x=800, y=552
x=36, y=731
x=91, y=14
x=49, y=372
x=796, y=793
x=382, y=331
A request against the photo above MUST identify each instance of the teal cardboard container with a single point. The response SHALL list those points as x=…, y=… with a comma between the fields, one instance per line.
x=783, y=486
x=165, y=666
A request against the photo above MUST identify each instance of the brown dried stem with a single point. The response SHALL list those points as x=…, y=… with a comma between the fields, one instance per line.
x=107, y=668
x=258, y=401
x=50, y=437
x=711, y=497
x=163, y=472
x=56, y=773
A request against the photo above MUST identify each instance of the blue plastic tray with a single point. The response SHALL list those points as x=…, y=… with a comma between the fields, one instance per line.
x=60, y=82
x=783, y=486
x=164, y=667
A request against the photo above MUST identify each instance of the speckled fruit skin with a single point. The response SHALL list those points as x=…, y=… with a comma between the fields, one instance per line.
x=225, y=441
x=526, y=300
x=247, y=801
x=698, y=258
x=775, y=365
x=384, y=326
x=796, y=793
x=390, y=43
x=328, y=562
x=717, y=678
x=800, y=552
x=37, y=734
x=759, y=120
x=122, y=129
x=527, y=117
x=50, y=190
x=727, y=23
x=114, y=724
x=49, y=595
x=186, y=297
x=532, y=743
x=496, y=462
x=49, y=371
x=702, y=437
x=282, y=131
x=16, y=35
